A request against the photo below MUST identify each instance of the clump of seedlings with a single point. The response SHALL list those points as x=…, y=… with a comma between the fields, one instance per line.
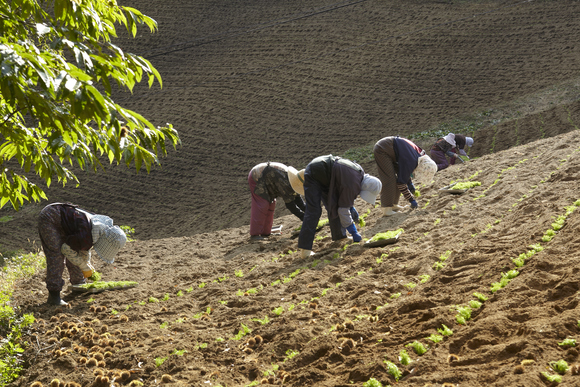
x=393, y=370
x=404, y=357
x=418, y=347
x=551, y=378
x=372, y=382
x=445, y=331
x=560, y=366
x=463, y=314
x=104, y=285
x=435, y=338
x=386, y=235
x=568, y=342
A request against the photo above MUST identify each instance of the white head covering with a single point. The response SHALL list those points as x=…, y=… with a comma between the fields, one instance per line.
x=296, y=179
x=469, y=141
x=425, y=170
x=370, y=188
x=450, y=138
x=107, y=239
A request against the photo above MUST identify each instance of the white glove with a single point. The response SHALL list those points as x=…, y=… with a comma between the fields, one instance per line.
x=305, y=253
x=82, y=259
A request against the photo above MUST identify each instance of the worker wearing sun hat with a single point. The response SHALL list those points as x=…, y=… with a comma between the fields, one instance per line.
x=268, y=181
x=336, y=182
x=451, y=145
x=67, y=233
x=400, y=162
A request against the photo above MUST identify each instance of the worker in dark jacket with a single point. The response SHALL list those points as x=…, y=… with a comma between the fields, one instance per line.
x=451, y=145
x=67, y=233
x=336, y=182
x=400, y=162
x=267, y=182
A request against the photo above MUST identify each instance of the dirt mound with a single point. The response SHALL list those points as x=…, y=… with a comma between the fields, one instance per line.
x=217, y=291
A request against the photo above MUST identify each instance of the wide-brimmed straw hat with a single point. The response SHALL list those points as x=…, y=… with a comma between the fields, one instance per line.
x=370, y=188
x=296, y=179
x=107, y=238
x=425, y=170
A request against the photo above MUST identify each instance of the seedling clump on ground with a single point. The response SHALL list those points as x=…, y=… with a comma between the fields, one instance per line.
x=386, y=235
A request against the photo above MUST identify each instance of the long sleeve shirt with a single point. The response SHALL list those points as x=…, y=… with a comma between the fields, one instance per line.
x=407, y=154
x=272, y=182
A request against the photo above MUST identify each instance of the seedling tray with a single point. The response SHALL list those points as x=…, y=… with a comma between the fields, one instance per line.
x=79, y=289
x=383, y=242
x=448, y=189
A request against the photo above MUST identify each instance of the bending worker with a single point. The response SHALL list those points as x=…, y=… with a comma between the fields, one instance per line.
x=269, y=181
x=67, y=234
x=399, y=160
x=451, y=145
x=336, y=182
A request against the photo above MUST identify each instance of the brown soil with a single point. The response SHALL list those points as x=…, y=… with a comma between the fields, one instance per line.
x=259, y=86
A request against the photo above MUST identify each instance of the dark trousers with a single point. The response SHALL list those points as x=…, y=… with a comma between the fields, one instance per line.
x=315, y=193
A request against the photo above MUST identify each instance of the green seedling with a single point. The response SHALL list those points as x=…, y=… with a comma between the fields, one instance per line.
x=239, y=293
x=445, y=331
x=480, y=297
x=437, y=221
x=290, y=354
x=393, y=370
x=114, y=312
x=290, y=307
x=560, y=366
x=153, y=299
x=129, y=231
x=475, y=304
x=418, y=347
x=295, y=273
x=220, y=339
x=164, y=325
x=386, y=235
x=202, y=285
x=438, y=265
x=90, y=300
x=239, y=273
x=159, y=361
x=96, y=276
x=242, y=332
x=142, y=302
x=465, y=312
x=445, y=256
x=372, y=382
x=435, y=338
x=466, y=185
x=315, y=263
x=325, y=291
x=278, y=311
x=277, y=282
x=165, y=297
x=404, y=357
x=395, y=295
x=180, y=352
x=568, y=343
x=424, y=278
x=179, y=294
x=453, y=207
x=410, y=285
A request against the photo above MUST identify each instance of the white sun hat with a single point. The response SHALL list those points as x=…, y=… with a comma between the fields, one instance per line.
x=450, y=138
x=107, y=238
x=296, y=179
x=370, y=188
x=469, y=141
x=425, y=170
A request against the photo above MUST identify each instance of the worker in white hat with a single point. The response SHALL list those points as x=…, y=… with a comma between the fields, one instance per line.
x=452, y=145
x=68, y=233
x=401, y=162
x=267, y=182
x=336, y=182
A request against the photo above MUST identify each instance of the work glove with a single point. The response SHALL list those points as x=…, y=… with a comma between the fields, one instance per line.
x=356, y=237
x=414, y=204
x=305, y=253
x=354, y=214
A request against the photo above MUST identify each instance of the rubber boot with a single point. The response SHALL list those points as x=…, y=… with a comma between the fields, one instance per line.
x=388, y=211
x=54, y=298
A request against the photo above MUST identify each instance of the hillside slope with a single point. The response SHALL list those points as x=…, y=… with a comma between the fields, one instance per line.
x=247, y=82
x=212, y=286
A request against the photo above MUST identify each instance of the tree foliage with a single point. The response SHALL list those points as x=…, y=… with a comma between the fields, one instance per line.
x=58, y=64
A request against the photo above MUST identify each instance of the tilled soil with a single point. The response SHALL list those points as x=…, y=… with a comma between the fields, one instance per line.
x=245, y=83
x=218, y=290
